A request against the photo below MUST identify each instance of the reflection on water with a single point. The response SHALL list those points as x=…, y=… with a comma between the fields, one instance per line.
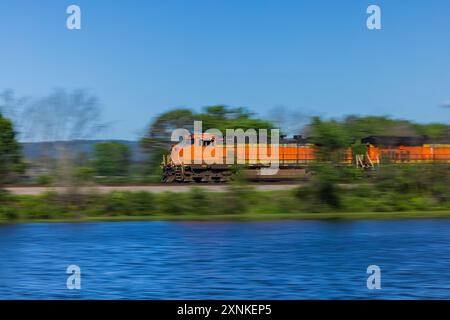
x=257, y=260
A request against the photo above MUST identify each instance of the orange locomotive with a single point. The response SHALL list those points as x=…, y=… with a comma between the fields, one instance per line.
x=205, y=158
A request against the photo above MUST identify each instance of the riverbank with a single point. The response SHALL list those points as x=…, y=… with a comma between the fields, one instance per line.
x=335, y=216
x=234, y=202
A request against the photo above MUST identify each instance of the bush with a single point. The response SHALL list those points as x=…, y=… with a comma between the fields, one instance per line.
x=84, y=174
x=38, y=207
x=141, y=203
x=8, y=213
x=323, y=191
x=235, y=200
x=44, y=180
x=171, y=203
x=198, y=202
x=116, y=203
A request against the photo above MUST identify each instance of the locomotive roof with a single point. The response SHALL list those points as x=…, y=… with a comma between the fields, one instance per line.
x=402, y=140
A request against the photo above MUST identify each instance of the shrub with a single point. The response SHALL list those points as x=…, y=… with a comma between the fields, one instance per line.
x=116, y=203
x=141, y=203
x=171, y=203
x=44, y=179
x=198, y=202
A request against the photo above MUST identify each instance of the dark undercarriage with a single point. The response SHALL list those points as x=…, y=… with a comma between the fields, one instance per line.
x=224, y=173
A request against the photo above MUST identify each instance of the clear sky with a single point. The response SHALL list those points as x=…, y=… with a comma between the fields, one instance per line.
x=142, y=58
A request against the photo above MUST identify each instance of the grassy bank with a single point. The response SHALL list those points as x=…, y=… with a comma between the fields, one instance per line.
x=238, y=202
x=250, y=217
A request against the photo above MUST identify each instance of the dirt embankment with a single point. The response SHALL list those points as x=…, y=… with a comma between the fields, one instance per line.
x=149, y=188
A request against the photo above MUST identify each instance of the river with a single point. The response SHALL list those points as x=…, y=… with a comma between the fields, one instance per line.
x=226, y=260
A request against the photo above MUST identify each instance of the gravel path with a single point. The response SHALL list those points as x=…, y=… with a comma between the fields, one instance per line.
x=149, y=188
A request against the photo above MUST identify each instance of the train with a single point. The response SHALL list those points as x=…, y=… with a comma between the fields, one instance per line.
x=205, y=159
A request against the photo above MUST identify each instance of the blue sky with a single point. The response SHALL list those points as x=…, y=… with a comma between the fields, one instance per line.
x=142, y=58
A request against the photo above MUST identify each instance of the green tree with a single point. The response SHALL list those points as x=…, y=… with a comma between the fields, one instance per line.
x=360, y=127
x=334, y=134
x=111, y=159
x=11, y=164
x=330, y=137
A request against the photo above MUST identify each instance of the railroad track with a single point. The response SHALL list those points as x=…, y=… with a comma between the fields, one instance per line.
x=27, y=190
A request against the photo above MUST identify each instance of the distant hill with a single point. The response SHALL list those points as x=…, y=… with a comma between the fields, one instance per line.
x=34, y=150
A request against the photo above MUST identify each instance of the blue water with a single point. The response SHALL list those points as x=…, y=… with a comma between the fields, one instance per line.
x=226, y=260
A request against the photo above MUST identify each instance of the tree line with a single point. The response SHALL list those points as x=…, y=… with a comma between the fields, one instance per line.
x=70, y=115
